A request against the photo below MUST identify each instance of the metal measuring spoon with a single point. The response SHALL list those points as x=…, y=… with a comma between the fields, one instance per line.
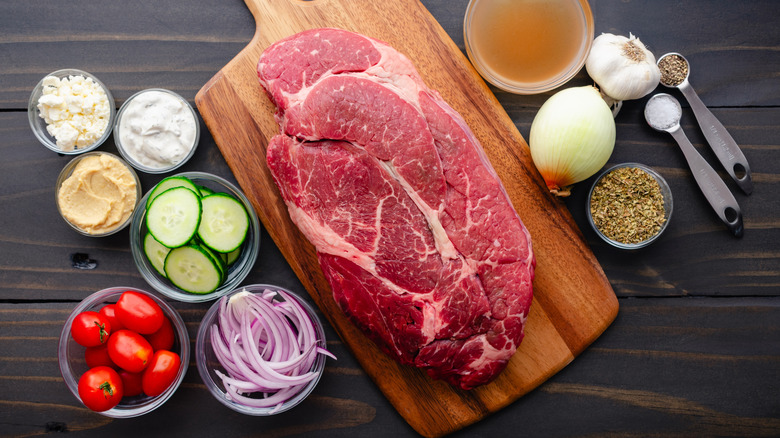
x=725, y=148
x=663, y=112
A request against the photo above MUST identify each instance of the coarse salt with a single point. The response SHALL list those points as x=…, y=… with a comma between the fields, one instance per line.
x=662, y=112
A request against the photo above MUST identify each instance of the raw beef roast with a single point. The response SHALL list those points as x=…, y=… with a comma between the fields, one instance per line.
x=413, y=229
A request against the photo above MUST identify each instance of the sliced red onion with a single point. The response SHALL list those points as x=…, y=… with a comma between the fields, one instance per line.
x=266, y=347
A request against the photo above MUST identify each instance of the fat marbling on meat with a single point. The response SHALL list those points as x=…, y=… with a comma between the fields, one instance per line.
x=413, y=229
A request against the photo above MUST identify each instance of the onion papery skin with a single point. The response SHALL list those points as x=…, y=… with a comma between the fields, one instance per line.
x=572, y=137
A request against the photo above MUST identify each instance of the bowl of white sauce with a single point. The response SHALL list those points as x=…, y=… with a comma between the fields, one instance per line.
x=156, y=130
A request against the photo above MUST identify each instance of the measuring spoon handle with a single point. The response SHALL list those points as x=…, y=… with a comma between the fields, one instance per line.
x=721, y=142
x=714, y=189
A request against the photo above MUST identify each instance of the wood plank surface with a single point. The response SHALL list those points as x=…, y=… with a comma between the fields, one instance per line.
x=573, y=303
x=634, y=373
x=694, y=350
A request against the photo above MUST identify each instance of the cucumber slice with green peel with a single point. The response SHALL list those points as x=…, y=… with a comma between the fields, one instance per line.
x=224, y=222
x=218, y=261
x=155, y=252
x=191, y=269
x=205, y=191
x=169, y=183
x=174, y=216
x=232, y=256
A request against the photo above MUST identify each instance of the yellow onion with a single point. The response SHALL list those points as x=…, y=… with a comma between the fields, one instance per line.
x=572, y=137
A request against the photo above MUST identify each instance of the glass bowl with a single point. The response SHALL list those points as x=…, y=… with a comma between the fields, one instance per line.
x=38, y=124
x=67, y=171
x=208, y=363
x=130, y=153
x=666, y=193
x=487, y=45
x=236, y=272
x=73, y=365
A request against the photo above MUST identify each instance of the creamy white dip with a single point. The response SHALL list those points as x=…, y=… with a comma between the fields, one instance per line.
x=157, y=129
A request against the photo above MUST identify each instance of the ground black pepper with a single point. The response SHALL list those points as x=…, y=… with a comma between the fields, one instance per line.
x=627, y=205
x=674, y=70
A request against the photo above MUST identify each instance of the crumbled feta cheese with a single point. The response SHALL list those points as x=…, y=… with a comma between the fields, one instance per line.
x=76, y=110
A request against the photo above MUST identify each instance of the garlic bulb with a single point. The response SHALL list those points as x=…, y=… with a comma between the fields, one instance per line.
x=622, y=67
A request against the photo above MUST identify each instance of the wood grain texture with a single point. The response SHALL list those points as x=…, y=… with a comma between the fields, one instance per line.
x=573, y=303
x=680, y=367
x=694, y=351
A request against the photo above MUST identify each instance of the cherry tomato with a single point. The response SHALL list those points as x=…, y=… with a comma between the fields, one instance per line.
x=162, y=339
x=109, y=312
x=139, y=313
x=90, y=329
x=129, y=350
x=97, y=356
x=161, y=372
x=100, y=388
x=131, y=382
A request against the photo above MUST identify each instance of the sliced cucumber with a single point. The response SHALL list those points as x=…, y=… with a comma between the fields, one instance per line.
x=232, y=256
x=205, y=191
x=218, y=261
x=174, y=216
x=156, y=253
x=191, y=269
x=193, y=233
x=224, y=222
x=169, y=183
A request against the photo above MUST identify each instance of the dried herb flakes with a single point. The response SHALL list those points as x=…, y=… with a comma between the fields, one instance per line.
x=627, y=205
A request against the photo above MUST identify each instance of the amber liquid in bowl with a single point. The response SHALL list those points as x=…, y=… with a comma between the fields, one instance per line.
x=528, y=44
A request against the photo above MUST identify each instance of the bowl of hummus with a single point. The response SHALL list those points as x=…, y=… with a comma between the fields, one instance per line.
x=97, y=193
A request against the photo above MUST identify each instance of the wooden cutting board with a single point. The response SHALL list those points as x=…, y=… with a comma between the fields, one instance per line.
x=573, y=301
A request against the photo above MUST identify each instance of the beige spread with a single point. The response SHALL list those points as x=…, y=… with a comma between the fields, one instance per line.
x=99, y=195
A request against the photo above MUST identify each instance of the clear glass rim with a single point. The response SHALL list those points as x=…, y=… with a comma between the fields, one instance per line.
x=147, y=404
x=214, y=386
x=38, y=125
x=538, y=87
x=238, y=271
x=130, y=159
x=668, y=205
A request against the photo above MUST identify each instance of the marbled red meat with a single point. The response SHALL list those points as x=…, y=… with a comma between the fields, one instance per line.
x=413, y=229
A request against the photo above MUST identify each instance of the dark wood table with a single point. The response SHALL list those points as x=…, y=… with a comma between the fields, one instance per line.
x=694, y=351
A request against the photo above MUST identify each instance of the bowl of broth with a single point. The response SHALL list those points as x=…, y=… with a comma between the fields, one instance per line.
x=528, y=46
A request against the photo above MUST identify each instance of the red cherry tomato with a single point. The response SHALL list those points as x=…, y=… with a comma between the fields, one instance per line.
x=162, y=339
x=109, y=312
x=100, y=388
x=129, y=350
x=90, y=329
x=139, y=313
x=97, y=356
x=160, y=373
x=131, y=382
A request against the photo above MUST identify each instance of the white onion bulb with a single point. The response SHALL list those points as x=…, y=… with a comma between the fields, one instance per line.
x=572, y=137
